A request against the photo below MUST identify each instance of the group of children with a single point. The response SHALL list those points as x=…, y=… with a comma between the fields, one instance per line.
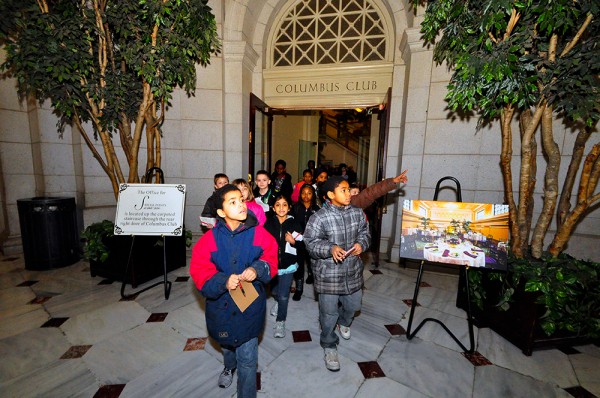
x=272, y=243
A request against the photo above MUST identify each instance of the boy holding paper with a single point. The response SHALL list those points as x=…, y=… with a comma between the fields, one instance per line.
x=218, y=266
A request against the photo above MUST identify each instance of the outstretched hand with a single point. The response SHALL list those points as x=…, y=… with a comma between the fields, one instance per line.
x=401, y=178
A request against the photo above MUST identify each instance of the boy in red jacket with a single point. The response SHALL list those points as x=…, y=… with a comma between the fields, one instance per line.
x=218, y=266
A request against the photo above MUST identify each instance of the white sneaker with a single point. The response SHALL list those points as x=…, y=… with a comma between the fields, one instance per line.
x=344, y=331
x=226, y=378
x=279, y=329
x=332, y=362
x=274, y=309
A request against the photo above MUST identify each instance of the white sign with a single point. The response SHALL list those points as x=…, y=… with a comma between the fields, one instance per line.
x=150, y=209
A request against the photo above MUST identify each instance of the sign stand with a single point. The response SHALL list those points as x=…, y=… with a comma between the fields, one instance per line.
x=410, y=335
x=165, y=281
x=150, y=209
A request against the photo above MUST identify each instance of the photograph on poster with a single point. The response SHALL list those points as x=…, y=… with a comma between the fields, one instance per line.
x=471, y=234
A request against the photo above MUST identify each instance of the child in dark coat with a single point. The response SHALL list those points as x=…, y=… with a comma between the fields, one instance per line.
x=286, y=231
x=218, y=266
x=302, y=211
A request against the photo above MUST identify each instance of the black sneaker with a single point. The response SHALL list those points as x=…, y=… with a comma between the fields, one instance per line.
x=226, y=378
x=297, y=295
x=309, y=280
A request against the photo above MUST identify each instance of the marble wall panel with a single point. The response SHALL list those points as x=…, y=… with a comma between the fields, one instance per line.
x=206, y=105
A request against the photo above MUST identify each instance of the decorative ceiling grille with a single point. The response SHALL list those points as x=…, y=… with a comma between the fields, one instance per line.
x=318, y=32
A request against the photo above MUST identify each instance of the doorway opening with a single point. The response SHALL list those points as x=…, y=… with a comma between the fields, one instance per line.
x=332, y=138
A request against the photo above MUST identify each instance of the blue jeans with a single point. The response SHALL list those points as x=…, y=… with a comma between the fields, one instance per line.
x=281, y=293
x=245, y=359
x=330, y=314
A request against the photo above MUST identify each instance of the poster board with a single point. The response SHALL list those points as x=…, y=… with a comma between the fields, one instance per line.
x=150, y=209
x=459, y=233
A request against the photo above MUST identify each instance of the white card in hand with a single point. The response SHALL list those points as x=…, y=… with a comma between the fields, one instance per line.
x=289, y=249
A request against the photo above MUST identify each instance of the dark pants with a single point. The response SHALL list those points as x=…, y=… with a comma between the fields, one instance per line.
x=303, y=261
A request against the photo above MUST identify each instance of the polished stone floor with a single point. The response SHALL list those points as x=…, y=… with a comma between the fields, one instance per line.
x=66, y=334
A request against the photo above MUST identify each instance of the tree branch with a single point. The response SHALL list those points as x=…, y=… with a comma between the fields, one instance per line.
x=586, y=173
x=564, y=205
x=595, y=174
x=43, y=4
x=577, y=36
x=514, y=18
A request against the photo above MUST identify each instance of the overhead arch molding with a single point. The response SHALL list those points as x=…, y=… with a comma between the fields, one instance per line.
x=336, y=53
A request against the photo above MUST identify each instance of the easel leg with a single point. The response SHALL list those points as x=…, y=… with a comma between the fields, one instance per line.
x=410, y=335
x=165, y=281
x=414, y=303
x=469, y=317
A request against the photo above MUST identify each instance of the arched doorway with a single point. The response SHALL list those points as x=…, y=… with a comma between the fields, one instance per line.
x=326, y=85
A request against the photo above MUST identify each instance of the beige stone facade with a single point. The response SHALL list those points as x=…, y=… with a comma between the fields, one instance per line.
x=208, y=133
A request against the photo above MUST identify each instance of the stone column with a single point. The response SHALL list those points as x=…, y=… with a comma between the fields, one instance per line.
x=240, y=60
x=419, y=62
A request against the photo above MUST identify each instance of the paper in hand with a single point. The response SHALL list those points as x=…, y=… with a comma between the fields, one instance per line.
x=242, y=300
x=208, y=222
x=289, y=249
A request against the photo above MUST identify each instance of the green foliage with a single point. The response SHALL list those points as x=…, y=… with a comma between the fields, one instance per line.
x=569, y=290
x=492, y=71
x=87, y=72
x=466, y=226
x=94, y=235
x=188, y=238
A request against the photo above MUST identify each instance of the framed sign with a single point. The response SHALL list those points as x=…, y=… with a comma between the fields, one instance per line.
x=470, y=234
x=150, y=209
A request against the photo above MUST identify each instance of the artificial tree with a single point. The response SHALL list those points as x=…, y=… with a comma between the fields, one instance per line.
x=536, y=61
x=108, y=68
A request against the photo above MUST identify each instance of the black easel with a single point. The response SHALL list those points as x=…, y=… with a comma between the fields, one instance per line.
x=149, y=173
x=410, y=335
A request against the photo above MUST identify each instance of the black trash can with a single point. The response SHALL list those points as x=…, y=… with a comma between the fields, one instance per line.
x=49, y=232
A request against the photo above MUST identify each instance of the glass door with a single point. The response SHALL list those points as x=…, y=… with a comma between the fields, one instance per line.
x=260, y=139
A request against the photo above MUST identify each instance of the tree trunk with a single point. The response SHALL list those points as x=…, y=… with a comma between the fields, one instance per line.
x=550, y=183
x=516, y=243
x=527, y=178
x=526, y=185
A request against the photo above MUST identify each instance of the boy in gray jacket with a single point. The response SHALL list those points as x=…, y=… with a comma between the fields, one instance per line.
x=335, y=236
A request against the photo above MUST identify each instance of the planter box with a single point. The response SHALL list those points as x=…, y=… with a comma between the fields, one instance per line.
x=520, y=323
x=146, y=260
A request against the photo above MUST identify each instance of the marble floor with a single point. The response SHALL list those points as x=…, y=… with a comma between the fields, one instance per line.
x=66, y=334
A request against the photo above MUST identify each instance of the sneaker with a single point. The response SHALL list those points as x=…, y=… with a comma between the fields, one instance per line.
x=332, y=362
x=344, y=331
x=309, y=280
x=226, y=378
x=297, y=295
x=279, y=329
x=274, y=309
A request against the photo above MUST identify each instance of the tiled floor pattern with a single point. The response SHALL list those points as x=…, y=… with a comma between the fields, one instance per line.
x=64, y=333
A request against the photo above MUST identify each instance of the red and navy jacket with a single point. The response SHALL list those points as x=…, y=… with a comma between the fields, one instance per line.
x=221, y=252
